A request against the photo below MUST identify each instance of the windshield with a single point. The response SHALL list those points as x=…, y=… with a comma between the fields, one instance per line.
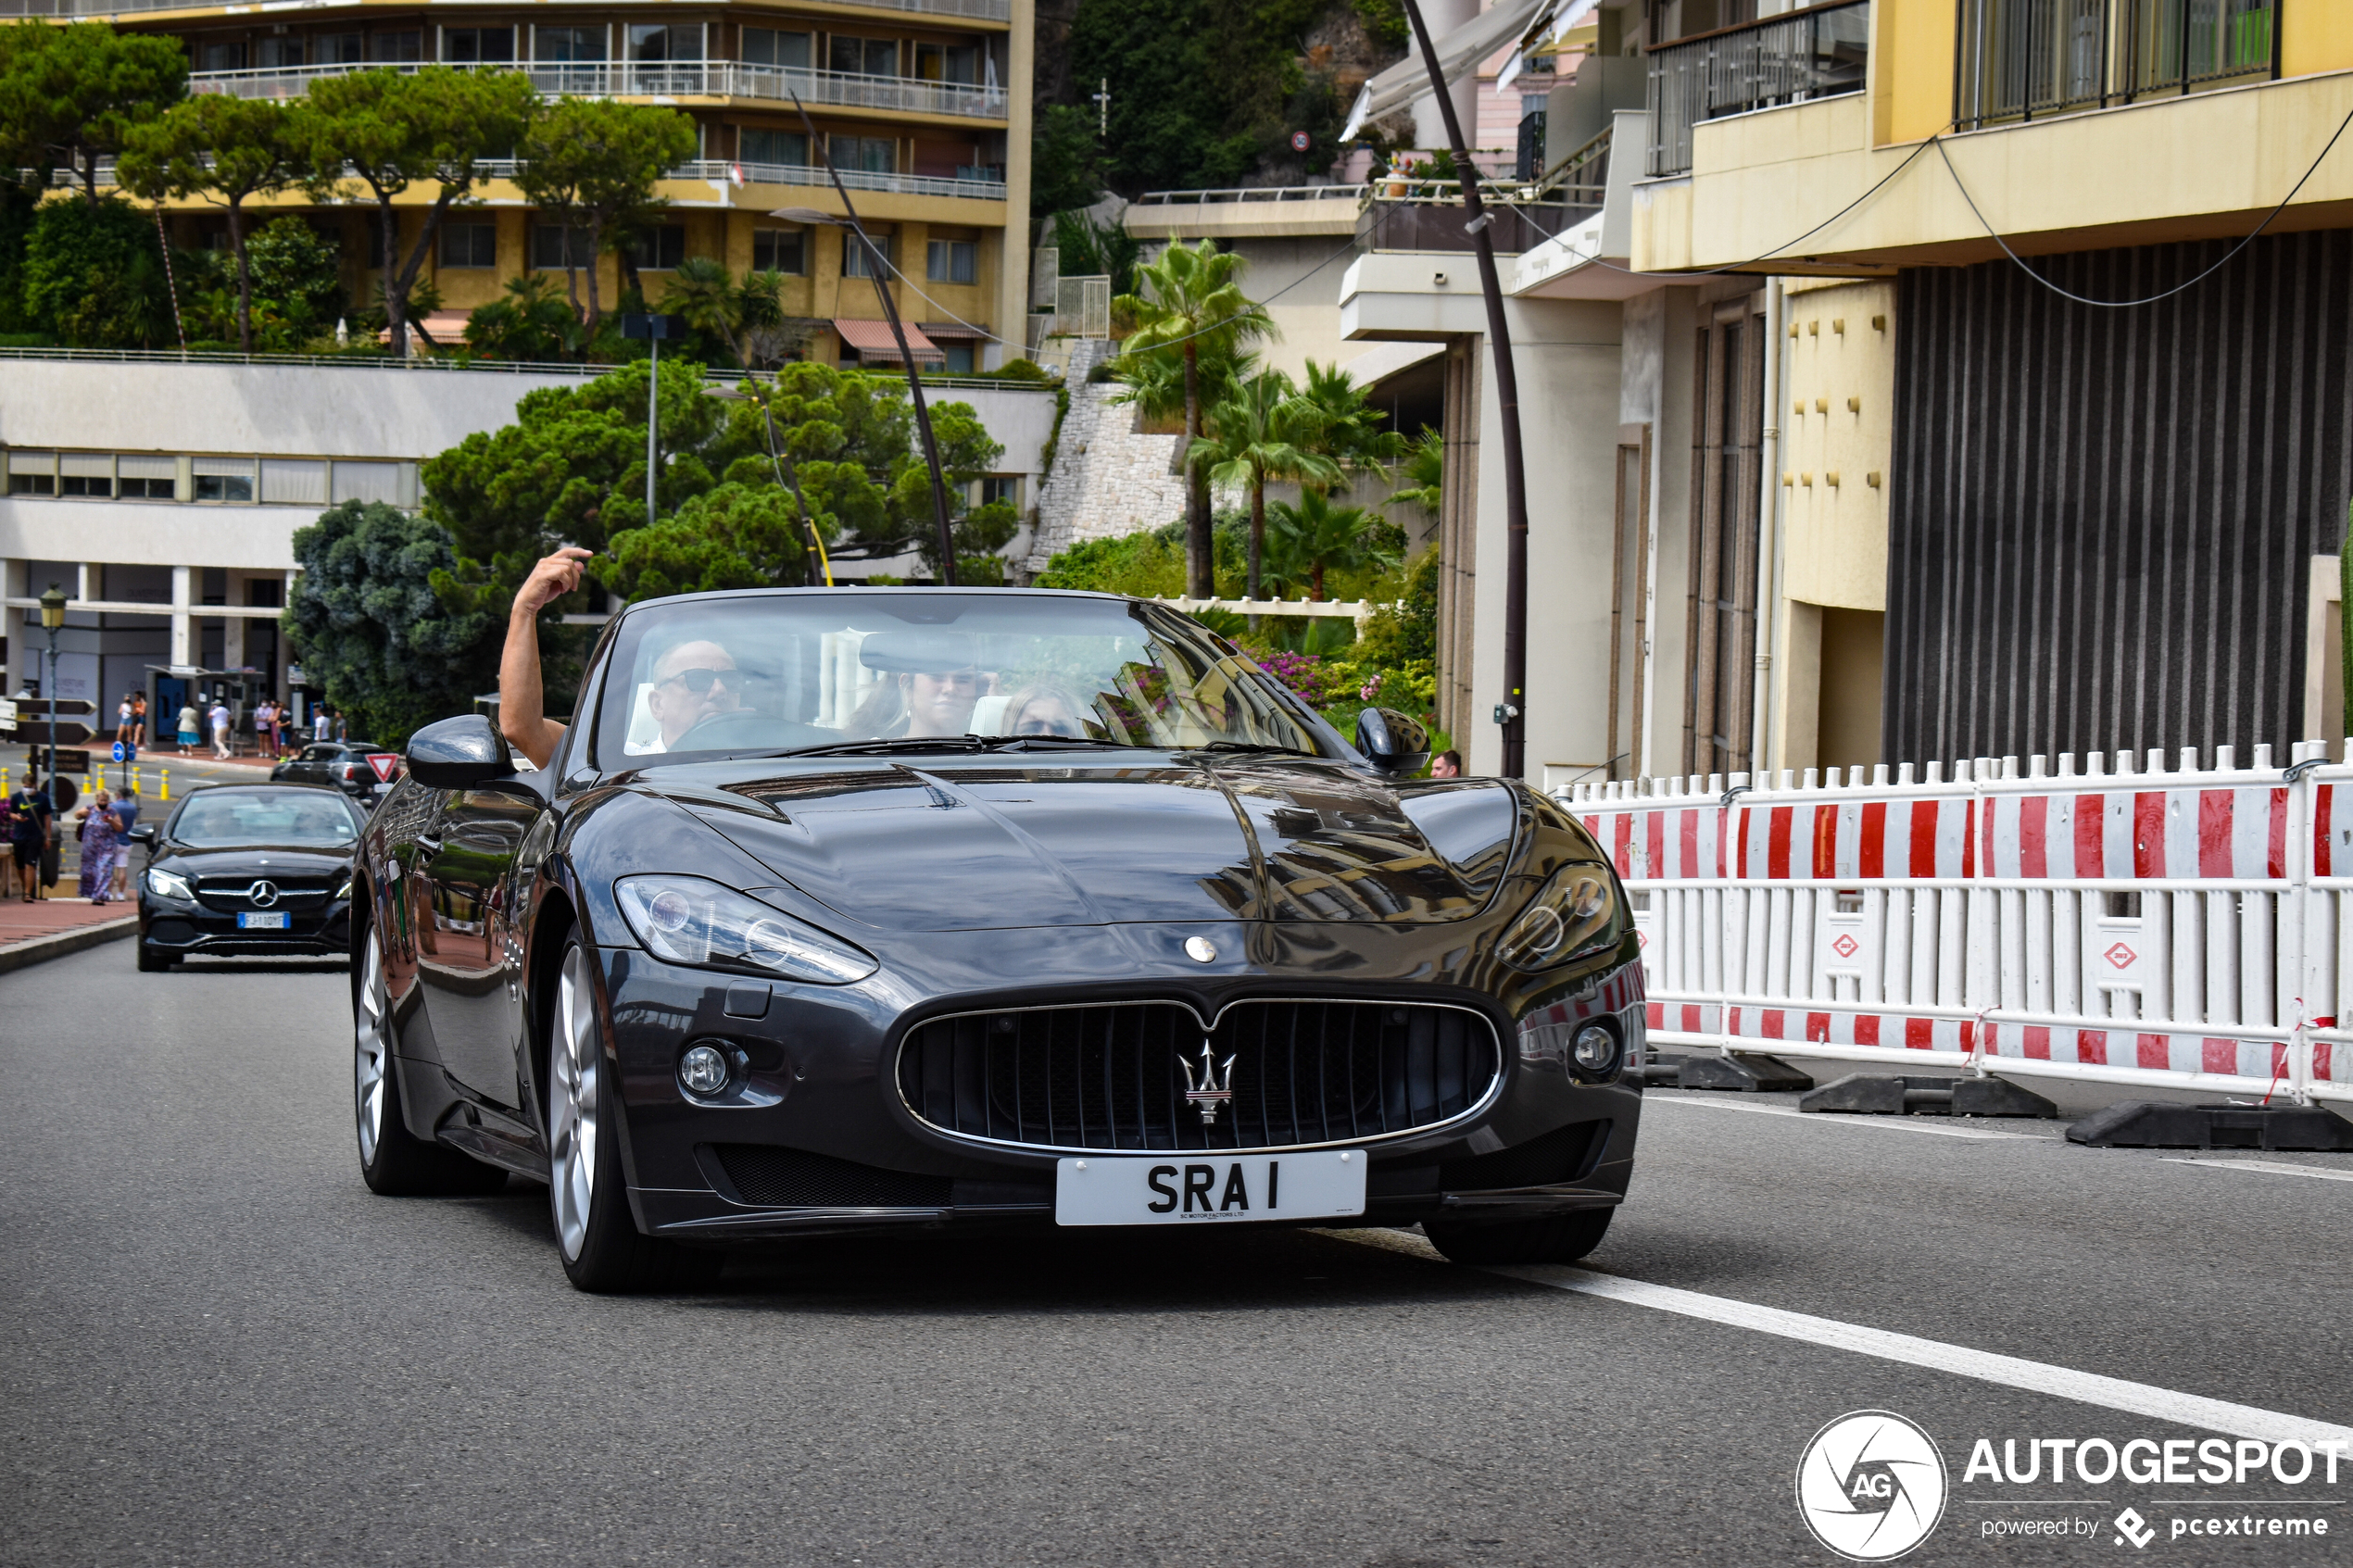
x=237, y=819
x=925, y=668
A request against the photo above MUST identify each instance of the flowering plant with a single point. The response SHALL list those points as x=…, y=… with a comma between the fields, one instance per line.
x=1300, y=672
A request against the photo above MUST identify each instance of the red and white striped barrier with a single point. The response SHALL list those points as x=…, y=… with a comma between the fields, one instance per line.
x=2184, y=928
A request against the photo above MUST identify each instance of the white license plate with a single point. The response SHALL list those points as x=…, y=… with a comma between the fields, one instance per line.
x=383, y=789
x=1177, y=1189
x=255, y=919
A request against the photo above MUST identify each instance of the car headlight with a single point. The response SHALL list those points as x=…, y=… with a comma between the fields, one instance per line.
x=1575, y=912
x=691, y=920
x=169, y=884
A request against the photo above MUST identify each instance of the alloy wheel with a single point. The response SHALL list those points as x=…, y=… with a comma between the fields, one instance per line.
x=574, y=1095
x=371, y=1052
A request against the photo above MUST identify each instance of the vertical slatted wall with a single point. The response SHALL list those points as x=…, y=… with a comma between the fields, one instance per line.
x=2101, y=521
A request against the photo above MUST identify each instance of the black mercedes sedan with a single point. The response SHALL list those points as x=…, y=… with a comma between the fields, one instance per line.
x=917, y=908
x=248, y=869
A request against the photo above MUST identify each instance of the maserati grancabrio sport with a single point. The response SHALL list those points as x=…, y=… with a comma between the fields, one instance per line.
x=872, y=909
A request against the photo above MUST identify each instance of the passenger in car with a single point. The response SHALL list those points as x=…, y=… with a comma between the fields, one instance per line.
x=691, y=682
x=523, y=701
x=931, y=683
x=1043, y=710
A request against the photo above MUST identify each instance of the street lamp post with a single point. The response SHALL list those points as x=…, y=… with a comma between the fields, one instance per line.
x=53, y=619
x=653, y=329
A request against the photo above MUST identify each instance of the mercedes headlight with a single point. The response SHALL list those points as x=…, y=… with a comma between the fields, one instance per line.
x=1575, y=912
x=691, y=920
x=169, y=884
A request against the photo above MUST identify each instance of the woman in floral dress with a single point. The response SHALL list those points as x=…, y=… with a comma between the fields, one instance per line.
x=101, y=842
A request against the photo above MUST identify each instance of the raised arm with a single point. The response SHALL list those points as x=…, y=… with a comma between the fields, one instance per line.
x=523, y=711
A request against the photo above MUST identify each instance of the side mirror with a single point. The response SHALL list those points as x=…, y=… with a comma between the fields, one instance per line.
x=142, y=832
x=1393, y=744
x=459, y=753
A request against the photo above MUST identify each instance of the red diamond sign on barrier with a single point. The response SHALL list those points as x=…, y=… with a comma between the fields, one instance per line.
x=1846, y=947
x=2120, y=956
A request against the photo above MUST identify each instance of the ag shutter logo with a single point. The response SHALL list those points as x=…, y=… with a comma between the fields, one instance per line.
x=1871, y=1485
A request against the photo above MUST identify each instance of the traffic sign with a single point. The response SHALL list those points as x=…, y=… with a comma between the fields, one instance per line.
x=125, y=752
x=385, y=763
x=1298, y=141
x=77, y=719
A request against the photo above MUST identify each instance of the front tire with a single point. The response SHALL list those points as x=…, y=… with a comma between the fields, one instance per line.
x=597, y=1236
x=393, y=1161
x=154, y=960
x=1561, y=1238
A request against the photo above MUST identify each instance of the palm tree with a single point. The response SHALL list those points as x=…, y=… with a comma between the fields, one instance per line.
x=1257, y=433
x=1347, y=426
x=1314, y=535
x=704, y=292
x=1424, y=471
x=1190, y=302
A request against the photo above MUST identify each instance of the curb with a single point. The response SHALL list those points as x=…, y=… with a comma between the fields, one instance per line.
x=57, y=945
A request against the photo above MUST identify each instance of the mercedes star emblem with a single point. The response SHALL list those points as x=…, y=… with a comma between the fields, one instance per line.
x=263, y=894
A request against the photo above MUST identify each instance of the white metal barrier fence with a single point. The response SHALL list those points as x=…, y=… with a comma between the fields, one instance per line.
x=2186, y=928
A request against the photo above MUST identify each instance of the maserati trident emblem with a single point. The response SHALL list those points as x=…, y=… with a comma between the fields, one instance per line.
x=263, y=894
x=1209, y=1091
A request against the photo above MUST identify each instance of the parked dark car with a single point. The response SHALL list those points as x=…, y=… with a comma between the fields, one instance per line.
x=247, y=869
x=361, y=768
x=874, y=909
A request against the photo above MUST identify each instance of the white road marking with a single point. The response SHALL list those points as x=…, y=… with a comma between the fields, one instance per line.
x=2013, y=1372
x=2269, y=1168
x=1882, y=1124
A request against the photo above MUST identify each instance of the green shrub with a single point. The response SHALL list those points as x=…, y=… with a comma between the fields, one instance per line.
x=94, y=276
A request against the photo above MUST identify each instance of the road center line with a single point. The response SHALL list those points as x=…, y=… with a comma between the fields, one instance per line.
x=2268, y=1167
x=1878, y=1124
x=2013, y=1372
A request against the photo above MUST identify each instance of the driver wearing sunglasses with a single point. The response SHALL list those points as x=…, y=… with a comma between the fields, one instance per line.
x=692, y=681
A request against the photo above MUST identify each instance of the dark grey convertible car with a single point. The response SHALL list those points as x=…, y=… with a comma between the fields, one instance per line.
x=873, y=909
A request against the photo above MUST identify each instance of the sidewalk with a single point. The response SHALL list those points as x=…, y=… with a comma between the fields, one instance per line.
x=30, y=931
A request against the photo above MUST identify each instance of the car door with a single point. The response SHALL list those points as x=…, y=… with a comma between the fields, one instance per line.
x=470, y=961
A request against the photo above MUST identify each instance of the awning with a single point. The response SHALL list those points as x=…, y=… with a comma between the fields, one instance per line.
x=958, y=330
x=872, y=340
x=1459, y=52
x=1544, y=35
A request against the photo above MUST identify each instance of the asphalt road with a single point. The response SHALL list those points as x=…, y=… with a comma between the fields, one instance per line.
x=215, y=1346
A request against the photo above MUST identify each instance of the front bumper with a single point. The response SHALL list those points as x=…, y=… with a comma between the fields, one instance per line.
x=191, y=930
x=821, y=1096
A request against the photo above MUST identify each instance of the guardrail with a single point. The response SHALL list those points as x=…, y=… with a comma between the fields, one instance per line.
x=1358, y=610
x=677, y=79
x=711, y=170
x=976, y=10
x=1251, y=194
x=2184, y=928
x=1790, y=59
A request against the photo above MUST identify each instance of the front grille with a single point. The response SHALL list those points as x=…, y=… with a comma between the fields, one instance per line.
x=1115, y=1076
x=294, y=892
x=766, y=1173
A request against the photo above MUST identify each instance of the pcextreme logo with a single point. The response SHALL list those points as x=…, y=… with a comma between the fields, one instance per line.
x=1871, y=1485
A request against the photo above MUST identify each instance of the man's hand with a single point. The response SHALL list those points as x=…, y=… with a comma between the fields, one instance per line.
x=550, y=580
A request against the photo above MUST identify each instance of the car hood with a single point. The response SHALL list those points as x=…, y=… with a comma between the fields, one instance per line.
x=944, y=846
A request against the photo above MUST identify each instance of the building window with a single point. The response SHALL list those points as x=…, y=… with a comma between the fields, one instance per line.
x=224, y=479
x=656, y=40
x=294, y=481
x=659, y=249
x=953, y=261
x=547, y=247
x=147, y=479
x=278, y=53
x=394, y=48
x=863, y=155
x=474, y=46
x=85, y=473
x=854, y=261
x=994, y=487
x=470, y=244
x=788, y=147
x=223, y=57
x=947, y=62
x=568, y=45
x=370, y=481
x=862, y=56
x=32, y=473
x=780, y=250
x=786, y=51
x=337, y=49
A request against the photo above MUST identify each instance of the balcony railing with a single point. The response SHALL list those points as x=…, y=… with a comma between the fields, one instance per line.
x=2015, y=59
x=1404, y=213
x=1787, y=59
x=677, y=79
x=1251, y=194
x=976, y=10
x=713, y=169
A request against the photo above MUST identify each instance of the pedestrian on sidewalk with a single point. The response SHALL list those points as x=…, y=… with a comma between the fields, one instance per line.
x=219, y=717
x=277, y=728
x=122, y=721
x=264, y=713
x=188, y=727
x=101, y=834
x=29, y=833
x=126, y=811
x=323, y=719
x=138, y=719
x=1446, y=765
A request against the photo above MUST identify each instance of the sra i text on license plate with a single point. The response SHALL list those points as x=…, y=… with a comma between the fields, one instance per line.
x=1195, y=1188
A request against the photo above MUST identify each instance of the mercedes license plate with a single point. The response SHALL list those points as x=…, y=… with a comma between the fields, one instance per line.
x=262, y=919
x=1175, y=1189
